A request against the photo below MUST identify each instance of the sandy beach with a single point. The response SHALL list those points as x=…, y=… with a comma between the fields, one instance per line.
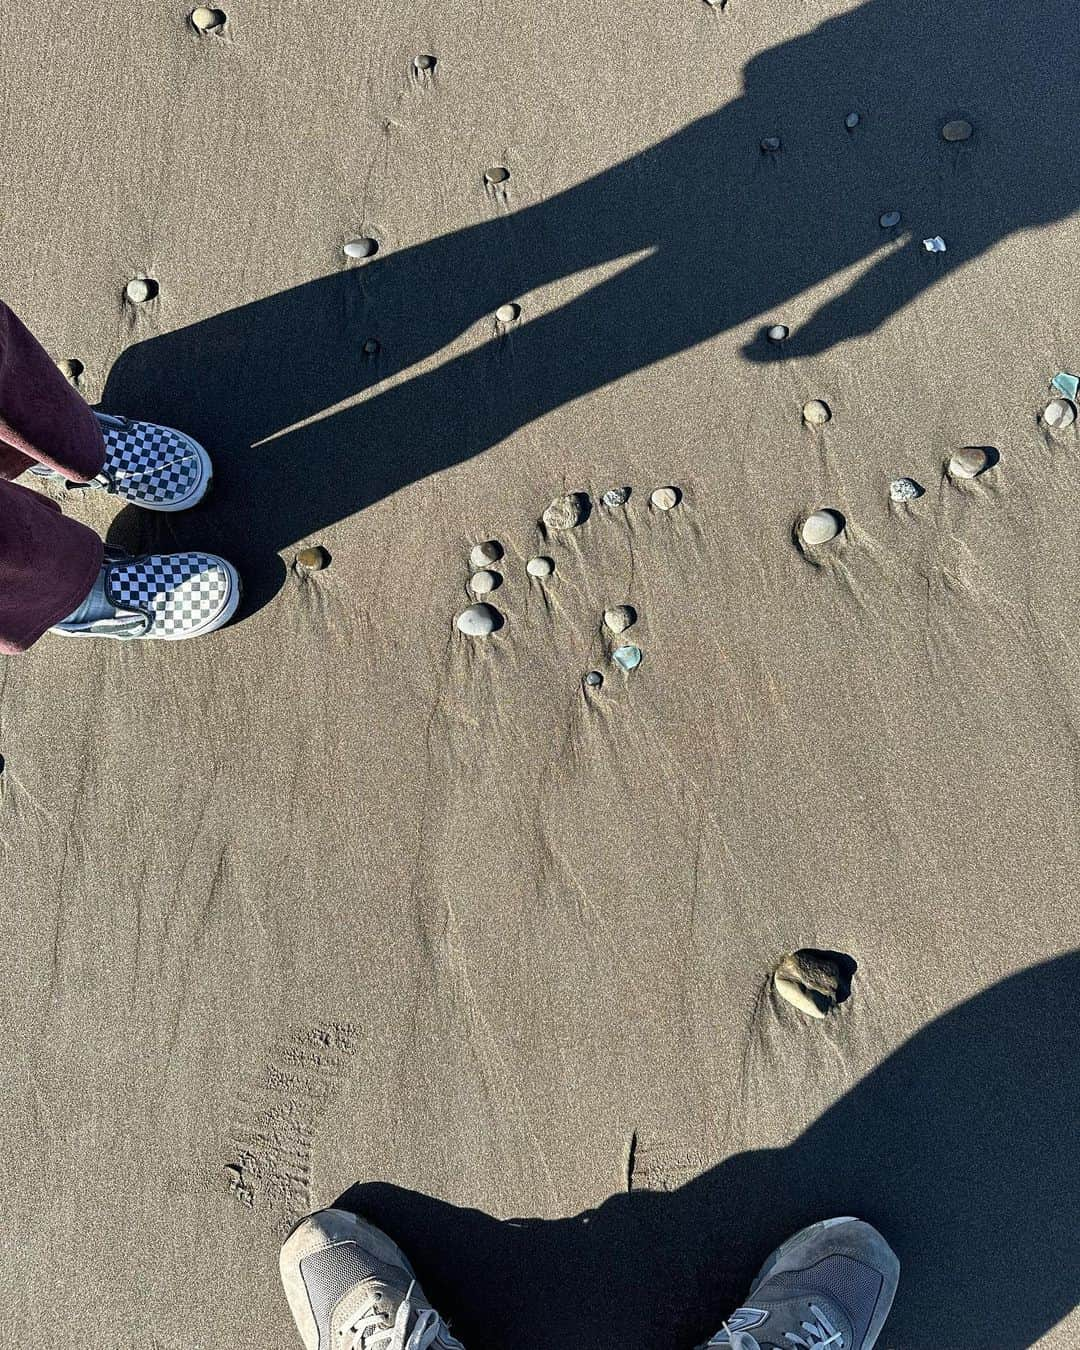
x=344, y=902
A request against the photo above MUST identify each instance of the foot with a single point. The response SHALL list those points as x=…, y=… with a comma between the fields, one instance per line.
x=350, y=1288
x=148, y=465
x=160, y=595
x=831, y=1285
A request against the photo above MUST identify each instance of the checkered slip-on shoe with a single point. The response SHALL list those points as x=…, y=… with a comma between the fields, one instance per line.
x=159, y=595
x=156, y=467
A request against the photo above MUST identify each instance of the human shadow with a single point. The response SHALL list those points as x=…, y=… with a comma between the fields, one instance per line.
x=700, y=233
x=960, y=1147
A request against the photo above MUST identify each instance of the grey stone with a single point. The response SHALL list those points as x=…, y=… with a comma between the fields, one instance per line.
x=313, y=559
x=489, y=551
x=567, y=511
x=484, y=582
x=540, y=566
x=594, y=679
x=371, y=347
x=889, y=220
x=140, y=289
x=478, y=620
x=425, y=62
x=362, y=247
x=821, y=526
x=628, y=657
x=851, y=121
x=816, y=413
x=664, y=498
x=969, y=462
x=1059, y=413
x=498, y=174
x=508, y=313
x=616, y=497
x=904, y=490
x=959, y=129
x=620, y=617
x=810, y=982
x=778, y=332
x=770, y=144
x=207, y=20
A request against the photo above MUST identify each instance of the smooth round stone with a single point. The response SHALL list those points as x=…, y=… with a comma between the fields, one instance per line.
x=664, y=498
x=594, y=679
x=499, y=174
x=313, y=559
x=904, y=490
x=71, y=369
x=207, y=20
x=371, y=347
x=620, y=617
x=140, y=289
x=958, y=130
x=770, y=144
x=778, y=332
x=539, y=567
x=566, y=512
x=478, y=620
x=889, y=219
x=484, y=582
x=425, y=62
x=489, y=551
x=969, y=462
x=364, y=247
x=1059, y=413
x=508, y=313
x=816, y=413
x=628, y=657
x=851, y=121
x=821, y=526
x=616, y=497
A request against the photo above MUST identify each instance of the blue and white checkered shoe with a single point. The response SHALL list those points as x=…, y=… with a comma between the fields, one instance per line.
x=148, y=465
x=159, y=595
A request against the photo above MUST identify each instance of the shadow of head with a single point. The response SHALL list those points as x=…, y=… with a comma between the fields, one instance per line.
x=960, y=1148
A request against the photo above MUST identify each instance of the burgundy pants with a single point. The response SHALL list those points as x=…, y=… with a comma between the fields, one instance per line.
x=48, y=562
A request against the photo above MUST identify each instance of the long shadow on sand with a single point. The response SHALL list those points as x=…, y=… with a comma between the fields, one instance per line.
x=961, y=1147
x=715, y=232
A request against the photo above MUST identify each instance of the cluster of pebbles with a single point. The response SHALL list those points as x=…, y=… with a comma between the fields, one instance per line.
x=566, y=512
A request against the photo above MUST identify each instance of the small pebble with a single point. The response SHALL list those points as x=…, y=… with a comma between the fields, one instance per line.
x=628, y=657
x=810, y=982
x=778, y=332
x=478, y=620
x=425, y=62
x=821, y=526
x=508, y=313
x=207, y=20
x=816, y=413
x=484, y=582
x=1059, y=413
x=958, y=130
x=71, y=369
x=540, y=567
x=371, y=347
x=234, y=1175
x=771, y=144
x=904, y=490
x=313, y=559
x=888, y=219
x=616, y=497
x=935, y=244
x=364, y=247
x=969, y=462
x=664, y=498
x=140, y=289
x=851, y=121
x=1063, y=382
x=620, y=617
x=594, y=679
x=499, y=174
x=489, y=551
x=567, y=511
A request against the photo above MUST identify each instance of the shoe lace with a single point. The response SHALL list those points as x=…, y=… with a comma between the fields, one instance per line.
x=820, y=1331
x=372, y=1329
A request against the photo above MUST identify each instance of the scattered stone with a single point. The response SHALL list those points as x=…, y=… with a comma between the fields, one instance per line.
x=71, y=369
x=778, y=332
x=594, y=679
x=620, y=617
x=851, y=121
x=959, y=129
x=207, y=20
x=935, y=244
x=616, y=496
x=490, y=551
x=478, y=620
x=363, y=247
x=484, y=582
x=770, y=144
x=540, y=567
x=140, y=289
x=1063, y=382
x=567, y=511
x=821, y=526
x=1059, y=413
x=425, y=62
x=816, y=413
x=371, y=347
x=313, y=559
x=234, y=1175
x=664, y=498
x=888, y=220
x=904, y=490
x=811, y=981
x=499, y=174
x=508, y=313
x=628, y=657
x=969, y=462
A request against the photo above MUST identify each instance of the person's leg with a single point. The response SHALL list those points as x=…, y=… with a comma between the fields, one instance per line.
x=350, y=1286
x=831, y=1285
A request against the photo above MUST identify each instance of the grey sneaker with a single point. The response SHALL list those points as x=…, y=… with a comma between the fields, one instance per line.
x=160, y=595
x=350, y=1288
x=148, y=465
x=831, y=1285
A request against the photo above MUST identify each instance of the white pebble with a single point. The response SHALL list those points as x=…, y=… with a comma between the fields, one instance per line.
x=1059, y=413
x=778, y=332
x=138, y=290
x=904, y=490
x=488, y=552
x=484, y=582
x=507, y=313
x=478, y=620
x=616, y=496
x=851, y=121
x=361, y=248
x=664, y=498
x=628, y=657
x=821, y=526
x=540, y=567
x=935, y=244
x=620, y=617
x=816, y=413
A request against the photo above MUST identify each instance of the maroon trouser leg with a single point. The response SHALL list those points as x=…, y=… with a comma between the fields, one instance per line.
x=48, y=562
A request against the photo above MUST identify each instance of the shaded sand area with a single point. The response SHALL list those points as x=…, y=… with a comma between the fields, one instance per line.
x=342, y=900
